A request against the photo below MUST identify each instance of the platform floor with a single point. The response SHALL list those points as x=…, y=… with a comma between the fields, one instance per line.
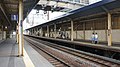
x=9, y=53
x=1, y=41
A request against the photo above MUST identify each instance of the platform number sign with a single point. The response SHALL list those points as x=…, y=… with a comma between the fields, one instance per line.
x=14, y=17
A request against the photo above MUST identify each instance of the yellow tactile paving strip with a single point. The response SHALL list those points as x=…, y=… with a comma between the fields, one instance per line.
x=27, y=60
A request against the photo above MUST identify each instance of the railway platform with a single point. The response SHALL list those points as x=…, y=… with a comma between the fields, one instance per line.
x=103, y=43
x=9, y=55
x=80, y=43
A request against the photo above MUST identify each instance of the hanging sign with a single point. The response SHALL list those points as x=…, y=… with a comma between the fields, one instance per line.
x=14, y=17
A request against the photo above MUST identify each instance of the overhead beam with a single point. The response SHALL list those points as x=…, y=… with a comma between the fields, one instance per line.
x=12, y=8
x=11, y=2
x=4, y=14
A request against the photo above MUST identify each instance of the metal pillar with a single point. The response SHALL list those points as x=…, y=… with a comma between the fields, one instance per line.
x=76, y=34
x=34, y=32
x=84, y=31
x=71, y=30
x=47, y=15
x=5, y=34
x=20, y=27
x=109, y=30
x=2, y=33
x=37, y=31
x=55, y=30
x=47, y=31
x=41, y=32
x=31, y=31
x=76, y=30
x=17, y=34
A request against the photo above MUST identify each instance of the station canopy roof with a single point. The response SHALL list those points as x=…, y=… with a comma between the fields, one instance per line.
x=10, y=8
x=99, y=8
x=60, y=5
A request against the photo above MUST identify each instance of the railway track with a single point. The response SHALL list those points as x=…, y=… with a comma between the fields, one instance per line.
x=51, y=58
x=93, y=60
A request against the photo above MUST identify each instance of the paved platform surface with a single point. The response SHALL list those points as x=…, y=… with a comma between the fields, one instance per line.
x=1, y=41
x=9, y=53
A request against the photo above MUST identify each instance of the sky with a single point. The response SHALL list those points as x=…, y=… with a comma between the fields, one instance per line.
x=34, y=19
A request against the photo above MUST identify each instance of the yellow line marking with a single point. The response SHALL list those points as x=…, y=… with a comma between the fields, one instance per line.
x=27, y=60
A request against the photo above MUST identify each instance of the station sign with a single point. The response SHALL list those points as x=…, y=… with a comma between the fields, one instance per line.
x=14, y=17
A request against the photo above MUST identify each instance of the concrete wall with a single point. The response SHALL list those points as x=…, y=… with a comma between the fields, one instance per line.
x=88, y=34
x=116, y=35
x=74, y=34
x=101, y=33
x=80, y=35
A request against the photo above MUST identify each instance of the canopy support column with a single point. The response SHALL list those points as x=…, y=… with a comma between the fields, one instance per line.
x=55, y=30
x=20, y=27
x=71, y=30
x=47, y=31
x=109, y=30
x=41, y=32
